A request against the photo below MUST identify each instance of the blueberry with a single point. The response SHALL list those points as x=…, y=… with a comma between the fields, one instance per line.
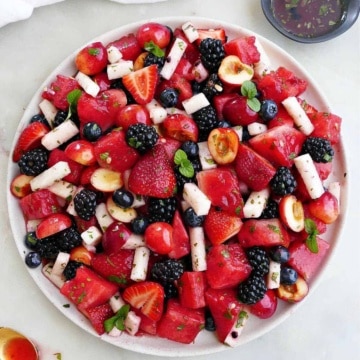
x=123, y=198
x=224, y=124
x=268, y=110
x=39, y=118
x=33, y=259
x=169, y=97
x=209, y=321
x=139, y=224
x=288, y=276
x=191, y=149
x=279, y=254
x=31, y=240
x=191, y=219
x=92, y=131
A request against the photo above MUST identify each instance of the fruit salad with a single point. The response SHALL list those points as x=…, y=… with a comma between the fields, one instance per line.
x=177, y=183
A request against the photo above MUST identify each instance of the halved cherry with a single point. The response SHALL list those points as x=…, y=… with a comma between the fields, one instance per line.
x=82, y=152
x=81, y=254
x=233, y=72
x=295, y=292
x=20, y=185
x=53, y=224
x=223, y=145
x=292, y=213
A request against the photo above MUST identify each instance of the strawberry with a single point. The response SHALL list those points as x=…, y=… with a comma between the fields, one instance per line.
x=58, y=91
x=142, y=83
x=220, y=226
x=251, y=168
x=115, y=267
x=153, y=175
x=148, y=297
x=30, y=138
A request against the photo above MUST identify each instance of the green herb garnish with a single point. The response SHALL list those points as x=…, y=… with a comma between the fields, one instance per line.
x=311, y=240
x=118, y=320
x=185, y=166
x=249, y=90
x=154, y=49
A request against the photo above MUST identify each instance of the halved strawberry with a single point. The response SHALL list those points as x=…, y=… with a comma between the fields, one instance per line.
x=153, y=174
x=142, y=83
x=147, y=296
x=30, y=138
x=220, y=226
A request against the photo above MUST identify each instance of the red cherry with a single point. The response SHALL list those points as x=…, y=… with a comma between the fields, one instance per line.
x=115, y=237
x=159, y=237
x=92, y=59
x=53, y=224
x=266, y=307
x=157, y=33
x=132, y=114
x=325, y=208
x=237, y=112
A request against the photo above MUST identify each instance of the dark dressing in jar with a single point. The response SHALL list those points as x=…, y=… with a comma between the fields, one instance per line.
x=309, y=18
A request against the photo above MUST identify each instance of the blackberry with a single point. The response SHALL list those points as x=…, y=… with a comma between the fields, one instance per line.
x=70, y=269
x=152, y=59
x=283, y=181
x=213, y=86
x=161, y=209
x=258, y=259
x=60, y=117
x=245, y=134
x=141, y=137
x=169, y=97
x=167, y=271
x=252, y=290
x=170, y=291
x=63, y=241
x=85, y=203
x=196, y=87
x=319, y=149
x=206, y=121
x=33, y=162
x=211, y=53
x=191, y=219
x=92, y=131
x=271, y=210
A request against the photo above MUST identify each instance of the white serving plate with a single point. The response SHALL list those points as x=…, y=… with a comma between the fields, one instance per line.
x=206, y=342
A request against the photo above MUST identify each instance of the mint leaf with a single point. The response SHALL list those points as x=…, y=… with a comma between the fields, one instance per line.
x=254, y=104
x=73, y=98
x=154, y=49
x=94, y=51
x=311, y=240
x=117, y=320
x=180, y=155
x=186, y=168
x=248, y=89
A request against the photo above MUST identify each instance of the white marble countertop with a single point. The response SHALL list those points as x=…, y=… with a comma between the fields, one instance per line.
x=327, y=325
